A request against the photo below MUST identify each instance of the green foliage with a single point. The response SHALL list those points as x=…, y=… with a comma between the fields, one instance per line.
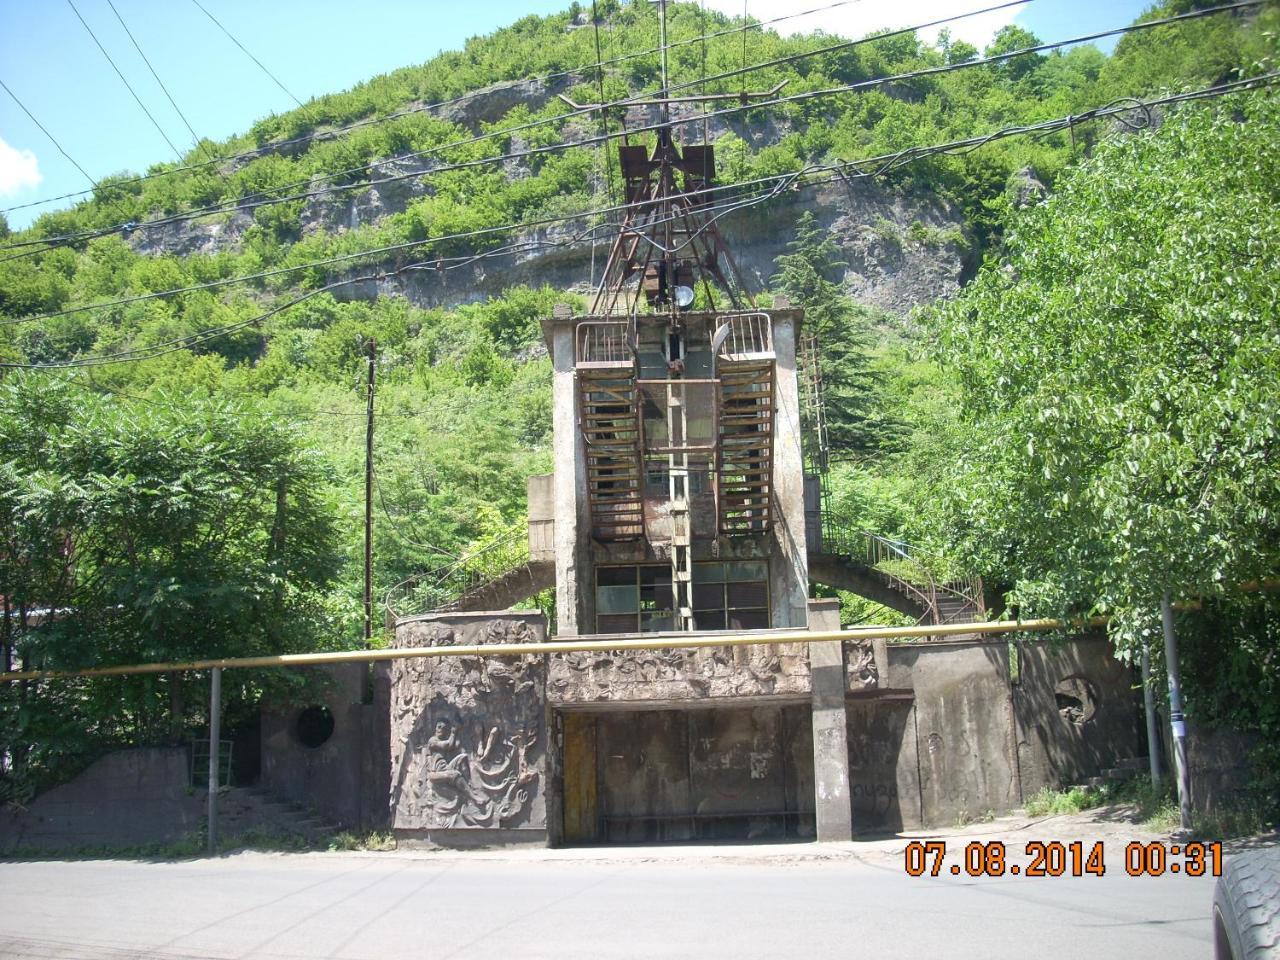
x=163, y=531
x=143, y=498
x=855, y=418
x=1119, y=395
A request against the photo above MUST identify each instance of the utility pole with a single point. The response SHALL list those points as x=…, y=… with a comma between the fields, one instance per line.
x=1176, y=721
x=368, y=494
x=215, y=744
x=1149, y=707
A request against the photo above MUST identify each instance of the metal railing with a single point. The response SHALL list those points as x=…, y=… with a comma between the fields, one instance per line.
x=604, y=343
x=908, y=570
x=743, y=336
x=441, y=588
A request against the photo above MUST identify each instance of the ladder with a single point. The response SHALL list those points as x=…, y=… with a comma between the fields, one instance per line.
x=678, y=506
x=611, y=430
x=744, y=457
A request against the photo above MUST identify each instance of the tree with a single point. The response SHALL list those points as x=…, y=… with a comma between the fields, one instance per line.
x=1009, y=39
x=855, y=420
x=160, y=531
x=1120, y=377
x=1120, y=405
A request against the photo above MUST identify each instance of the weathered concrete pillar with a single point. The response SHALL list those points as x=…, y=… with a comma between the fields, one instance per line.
x=570, y=475
x=833, y=812
x=790, y=556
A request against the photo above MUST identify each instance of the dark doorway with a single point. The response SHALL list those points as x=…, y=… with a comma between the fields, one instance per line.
x=708, y=773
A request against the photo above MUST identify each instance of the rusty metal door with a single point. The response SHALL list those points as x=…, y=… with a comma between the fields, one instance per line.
x=580, y=820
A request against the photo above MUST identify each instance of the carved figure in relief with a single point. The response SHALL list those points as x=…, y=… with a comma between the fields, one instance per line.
x=448, y=765
x=475, y=788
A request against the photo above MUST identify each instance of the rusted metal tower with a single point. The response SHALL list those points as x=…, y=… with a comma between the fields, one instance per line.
x=676, y=399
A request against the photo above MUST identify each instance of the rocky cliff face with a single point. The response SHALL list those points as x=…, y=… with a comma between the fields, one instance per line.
x=900, y=250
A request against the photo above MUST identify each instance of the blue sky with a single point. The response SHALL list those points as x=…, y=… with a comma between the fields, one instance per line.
x=320, y=46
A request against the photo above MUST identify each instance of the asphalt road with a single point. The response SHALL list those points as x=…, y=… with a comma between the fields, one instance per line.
x=776, y=904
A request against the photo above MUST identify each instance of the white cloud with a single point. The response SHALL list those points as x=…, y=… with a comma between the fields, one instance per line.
x=18, y=170
x=857, y=19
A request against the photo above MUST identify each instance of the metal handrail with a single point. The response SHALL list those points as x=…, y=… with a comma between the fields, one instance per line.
x=889, y=558
x=439, y=589
x=743, y=336
x=604, y=343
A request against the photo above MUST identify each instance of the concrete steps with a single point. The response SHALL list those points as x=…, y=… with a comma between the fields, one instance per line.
x=242, y=809
x=1128, y=769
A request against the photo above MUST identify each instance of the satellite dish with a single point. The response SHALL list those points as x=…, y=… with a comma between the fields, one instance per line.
x=684, y=297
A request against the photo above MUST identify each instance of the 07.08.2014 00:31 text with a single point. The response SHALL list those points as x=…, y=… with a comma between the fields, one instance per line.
x=1055, y=859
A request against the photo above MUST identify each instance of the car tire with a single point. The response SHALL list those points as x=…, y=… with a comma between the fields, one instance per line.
x=1246, y=907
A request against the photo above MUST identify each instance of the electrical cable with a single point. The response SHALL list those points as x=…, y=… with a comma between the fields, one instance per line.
x=261, y=65
x=463, y=98
x=839, y=172
x=128, y=86
x=346, y=258
x=693, y=118
x=248, y=203
x=70, y=158
x=887, y=161
x=195, y=140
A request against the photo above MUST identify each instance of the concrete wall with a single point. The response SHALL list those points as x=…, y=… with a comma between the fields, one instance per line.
x=789, y=562
x=541, y=494
x=884, y=772
x=337, y=778
x=1052, y=747
x=948, y=734
x=127, y=798
x=1218, y=760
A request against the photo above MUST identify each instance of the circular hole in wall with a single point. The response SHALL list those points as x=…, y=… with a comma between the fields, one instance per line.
x=1077, y=699
x=314, y=726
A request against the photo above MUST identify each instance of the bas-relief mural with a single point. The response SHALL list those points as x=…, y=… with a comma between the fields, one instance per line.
x=466, y=744
x=688, y=673
x=861, y=672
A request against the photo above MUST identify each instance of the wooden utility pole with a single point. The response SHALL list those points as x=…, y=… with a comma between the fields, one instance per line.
x=368, y=494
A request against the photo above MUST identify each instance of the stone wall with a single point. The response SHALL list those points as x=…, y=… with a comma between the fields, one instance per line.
x=468, y=741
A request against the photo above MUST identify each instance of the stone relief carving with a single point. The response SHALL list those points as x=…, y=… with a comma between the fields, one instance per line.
x=678, y=674
x=487, y=787
x=466, y=746
x=860, y=667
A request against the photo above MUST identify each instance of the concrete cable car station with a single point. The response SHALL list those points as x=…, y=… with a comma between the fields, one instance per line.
x=683, y=501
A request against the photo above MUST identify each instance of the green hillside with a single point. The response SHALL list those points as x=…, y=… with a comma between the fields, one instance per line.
x=463, y=389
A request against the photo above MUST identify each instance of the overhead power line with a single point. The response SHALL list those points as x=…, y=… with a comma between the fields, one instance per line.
x=843, y=171
x=30, y=115
x=195, y=140
x=694, y=118
x=884, y=163
x=246, y=204
x=128, y=86
x=426, y=108
x=261, y=65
